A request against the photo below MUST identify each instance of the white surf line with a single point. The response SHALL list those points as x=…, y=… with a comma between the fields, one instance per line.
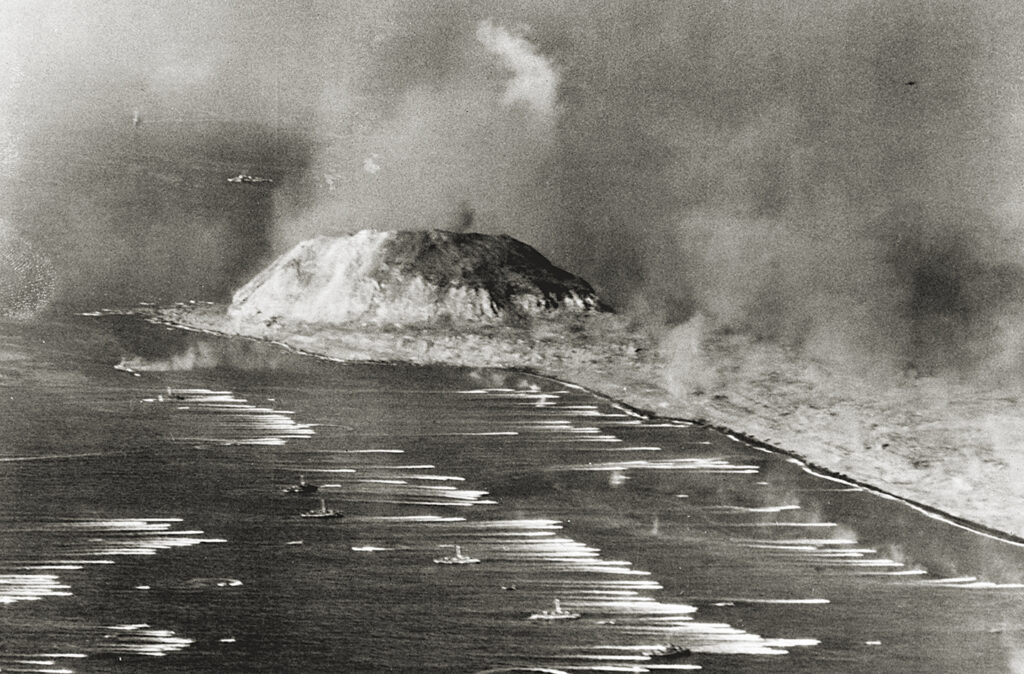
x=902, y=572
x=56, y=457
x=447, y=504
x=104, y=539
x=538, y=543
x=530, y=398
x=701, y=465
x=564, y=425
x=31, y=587
x=481, y=433
x=57, y=565
x=256, y=442
x=673, y=424
x=770, y=600
x=945, y=519
x=558, y=554
x=984, y=585
x=401, y=491
x=958, y=579
x=836, y=490
x=406, y=518
x=826, y=551
x=619, y=601
x=519, y=670
x=405, y=485
x=448, y=491
x=785, y=547
x=742, y=510
x=328, y=470
x=141, y=639
x=968, y=583
x=234, y=420
x=852, y=553
x=853, y=486
x=810, y=471
x=608, y=450
x=738, y=525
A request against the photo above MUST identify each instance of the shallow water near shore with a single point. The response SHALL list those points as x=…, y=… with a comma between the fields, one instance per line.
x=145, y=526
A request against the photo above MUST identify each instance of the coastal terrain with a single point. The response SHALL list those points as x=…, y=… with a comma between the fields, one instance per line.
x=482, y=301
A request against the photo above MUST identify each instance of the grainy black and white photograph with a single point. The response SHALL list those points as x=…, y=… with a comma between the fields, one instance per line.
x=502, y=337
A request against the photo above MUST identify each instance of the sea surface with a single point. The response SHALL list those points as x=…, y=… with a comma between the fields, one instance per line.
x=145, y=526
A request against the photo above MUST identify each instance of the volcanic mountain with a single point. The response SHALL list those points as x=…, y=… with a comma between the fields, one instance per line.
x=461, y=299
x=412, y=277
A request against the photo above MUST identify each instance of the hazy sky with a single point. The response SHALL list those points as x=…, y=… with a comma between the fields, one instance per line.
x=842, y=175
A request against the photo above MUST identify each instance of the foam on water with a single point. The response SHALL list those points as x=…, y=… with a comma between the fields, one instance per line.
x=701, y=543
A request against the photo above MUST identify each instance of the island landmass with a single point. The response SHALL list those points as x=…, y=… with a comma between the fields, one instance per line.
x=476, y=300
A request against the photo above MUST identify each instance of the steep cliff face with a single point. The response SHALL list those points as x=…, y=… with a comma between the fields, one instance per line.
x=409, y=277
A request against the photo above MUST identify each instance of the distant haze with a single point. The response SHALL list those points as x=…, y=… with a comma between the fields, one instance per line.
x=841, y=176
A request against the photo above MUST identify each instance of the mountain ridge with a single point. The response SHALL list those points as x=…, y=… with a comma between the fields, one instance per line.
x=407, y=277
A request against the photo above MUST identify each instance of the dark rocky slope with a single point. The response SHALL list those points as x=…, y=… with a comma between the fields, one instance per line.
x=412, y=277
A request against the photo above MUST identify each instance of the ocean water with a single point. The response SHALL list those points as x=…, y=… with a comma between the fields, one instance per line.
x=145, y=526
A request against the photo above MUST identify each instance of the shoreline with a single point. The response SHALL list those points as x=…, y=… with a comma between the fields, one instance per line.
x=963, y=495
x=805, y=464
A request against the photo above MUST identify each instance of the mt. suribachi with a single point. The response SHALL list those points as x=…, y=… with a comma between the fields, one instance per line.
x=479, y=301
x=411, y=277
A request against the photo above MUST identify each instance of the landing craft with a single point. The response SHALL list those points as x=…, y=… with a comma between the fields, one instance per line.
x=668, y=652
x=457, y=558
x=245, y=177
x=558, y=613
x=302, y=487
x=322, y=512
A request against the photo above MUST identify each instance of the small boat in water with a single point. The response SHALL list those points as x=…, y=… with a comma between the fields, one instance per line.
x=302, y=487
x=668, y=652
x=246, y=178
x=322, y=511
x=558, y=613
x=457, y=558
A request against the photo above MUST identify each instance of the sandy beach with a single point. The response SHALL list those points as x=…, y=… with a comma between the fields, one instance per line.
x=952, y=446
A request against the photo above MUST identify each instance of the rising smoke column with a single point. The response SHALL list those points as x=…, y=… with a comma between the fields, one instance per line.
x=843, y=177
x=535, y=81
x=834, y=177
x=823, y=176
x=468, y=139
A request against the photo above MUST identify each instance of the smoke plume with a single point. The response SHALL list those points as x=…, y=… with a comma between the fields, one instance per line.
x=535, y=82
x=843, y=178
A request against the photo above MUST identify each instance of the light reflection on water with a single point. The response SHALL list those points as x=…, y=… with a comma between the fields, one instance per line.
x=97, y=541
x=750, y=561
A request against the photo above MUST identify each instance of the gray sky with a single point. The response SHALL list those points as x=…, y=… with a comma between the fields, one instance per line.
x=841, y=175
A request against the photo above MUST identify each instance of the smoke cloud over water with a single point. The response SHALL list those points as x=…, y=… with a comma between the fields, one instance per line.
x=842, y=177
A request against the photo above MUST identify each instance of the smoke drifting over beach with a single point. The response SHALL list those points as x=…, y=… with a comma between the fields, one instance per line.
x=845, y=177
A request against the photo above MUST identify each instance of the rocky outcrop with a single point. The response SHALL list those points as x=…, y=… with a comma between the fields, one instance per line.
x=411, y=277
